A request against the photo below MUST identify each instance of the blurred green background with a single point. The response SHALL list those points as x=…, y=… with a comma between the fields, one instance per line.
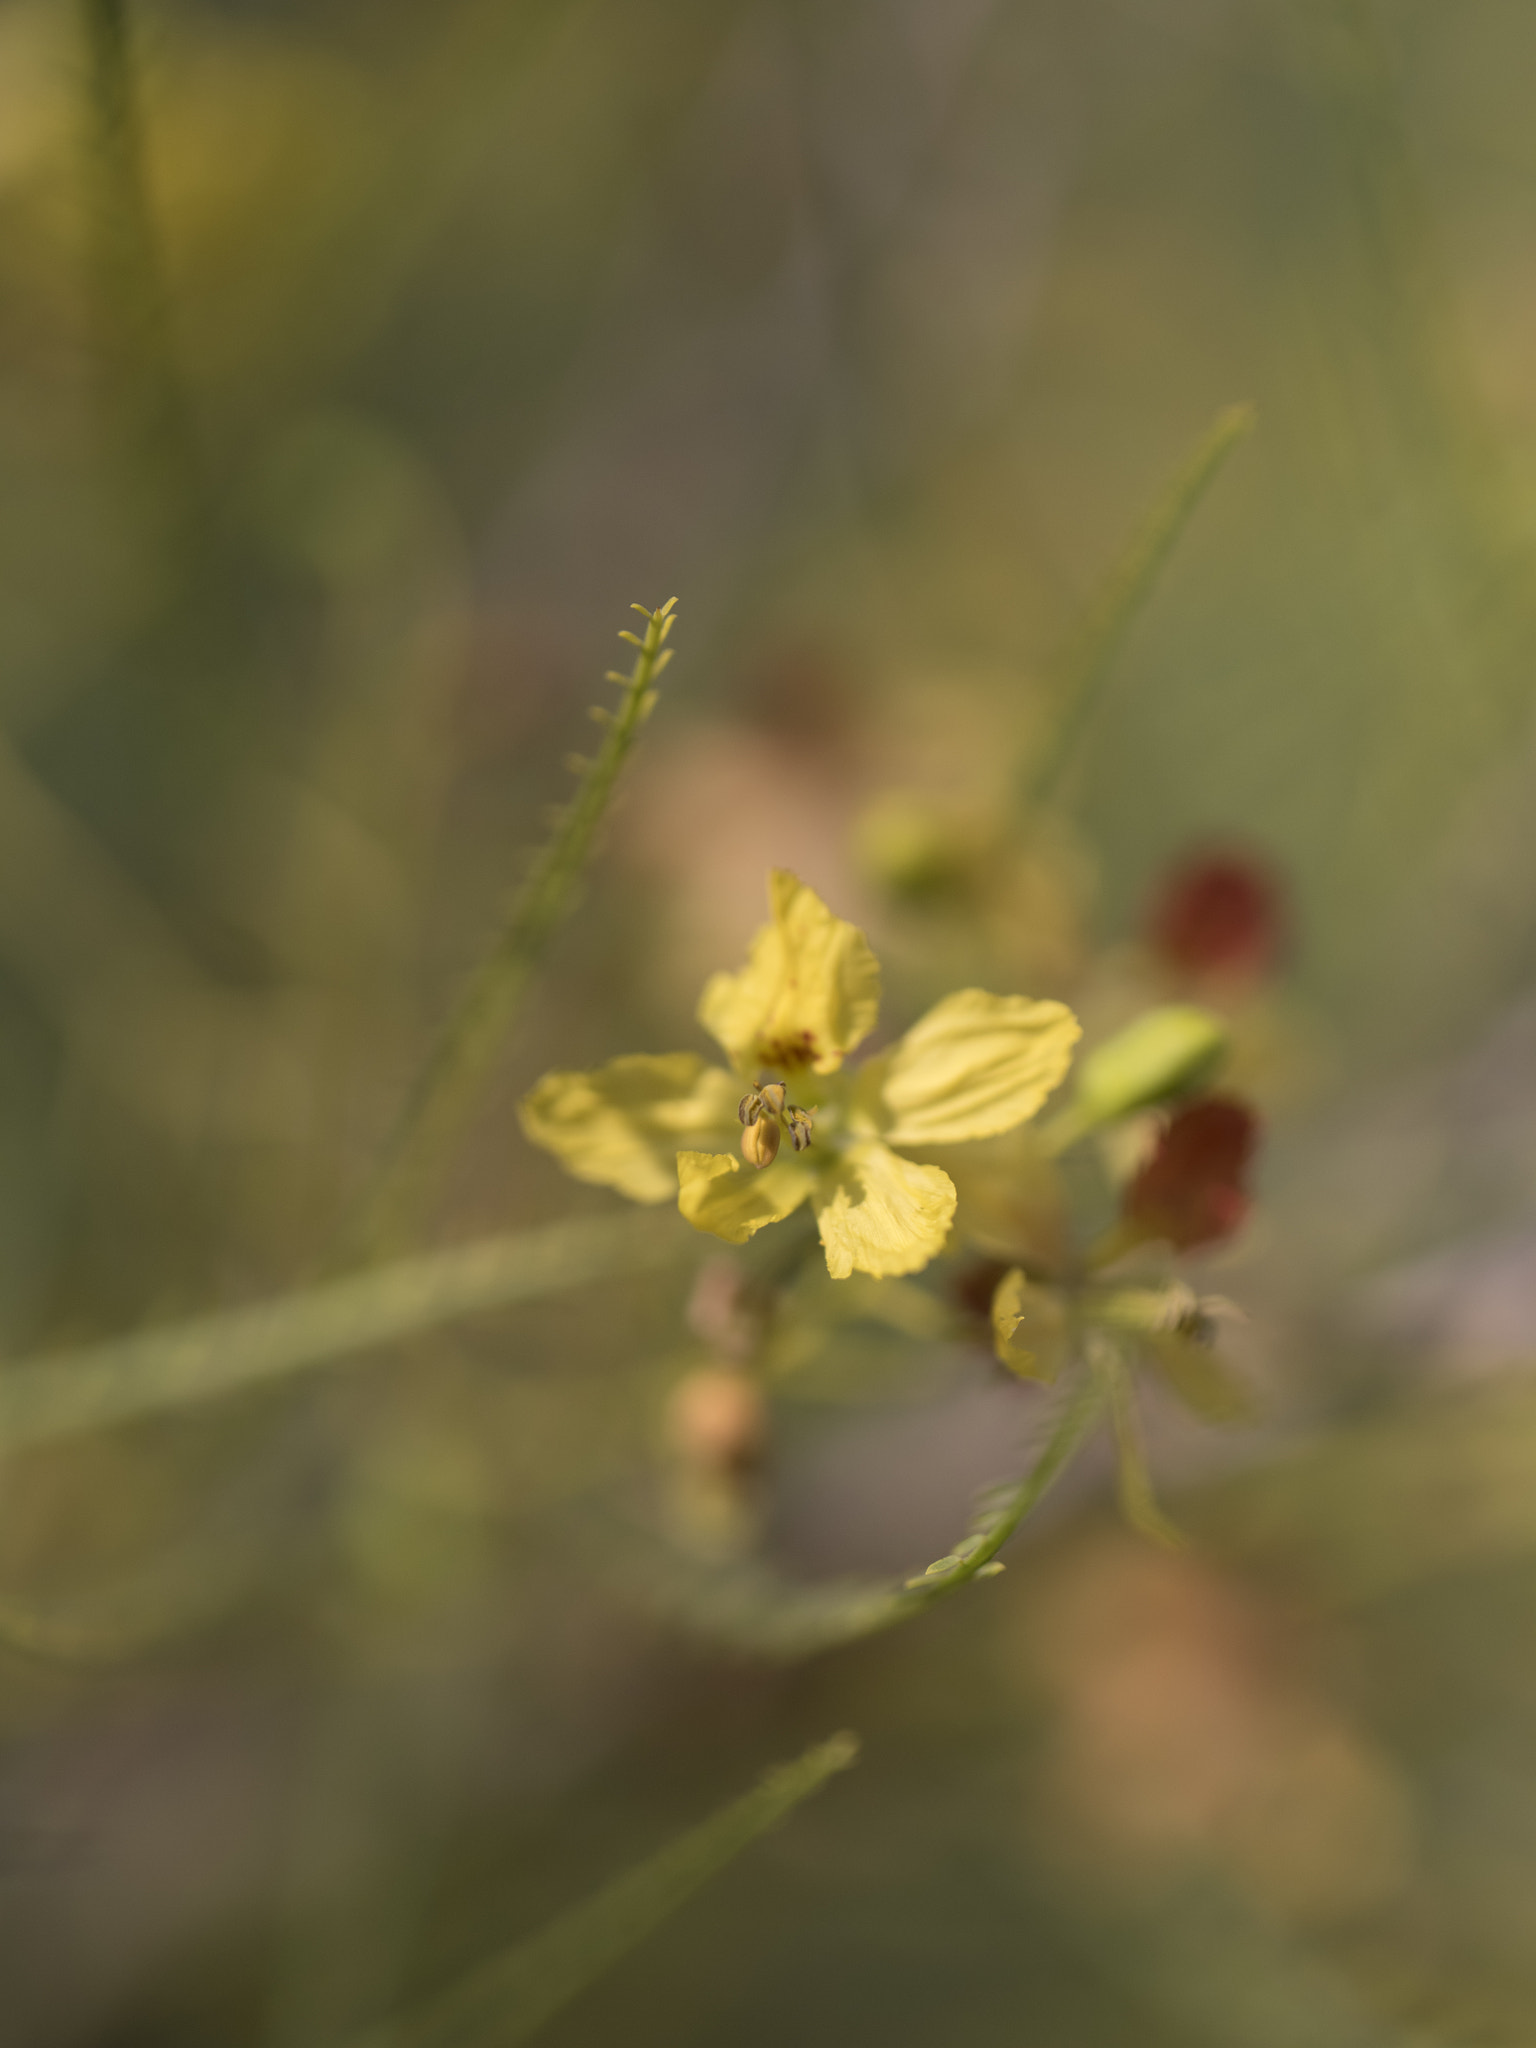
x=871, y=330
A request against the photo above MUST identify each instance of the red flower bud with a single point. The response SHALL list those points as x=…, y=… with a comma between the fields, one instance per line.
x=1192, y=1191
x=1218, y=913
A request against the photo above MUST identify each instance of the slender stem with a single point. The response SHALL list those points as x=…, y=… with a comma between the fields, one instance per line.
x=186, y=1364
x=1006, y=1508
x=151, y=413
x=512, y=1997
x=466, y=1051
x=1090, y=657
x=750, y=1609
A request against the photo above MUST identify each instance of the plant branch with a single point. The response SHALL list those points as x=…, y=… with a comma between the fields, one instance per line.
x=510, y=1998
x=142, y=377
x=189, y=1363
x=1089, y=659
x=751, y=1609
x=470, y=1041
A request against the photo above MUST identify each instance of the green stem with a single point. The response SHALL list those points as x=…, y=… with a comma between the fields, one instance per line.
x=749, y=1609
x=1090, y=657
x=1006, y=1507
x=151, y=413
x=513, y=1996
x=187, y=1364
x=1065, y=1129
x=467, y=1049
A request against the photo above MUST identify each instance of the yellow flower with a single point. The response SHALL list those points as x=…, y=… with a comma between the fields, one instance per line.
x=646, y=1124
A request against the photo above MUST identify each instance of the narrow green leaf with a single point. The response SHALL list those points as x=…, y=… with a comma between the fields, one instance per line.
x=1090, y=656
x=509, y=1998
x=477, y=1027
x=197, y=1361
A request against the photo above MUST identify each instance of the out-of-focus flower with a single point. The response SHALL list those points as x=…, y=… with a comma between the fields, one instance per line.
x=974, y=1066
x=1193, y=1190
x=1218, y=913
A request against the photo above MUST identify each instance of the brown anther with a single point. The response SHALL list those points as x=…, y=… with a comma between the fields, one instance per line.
x=766, y=1099
x=799, y=1122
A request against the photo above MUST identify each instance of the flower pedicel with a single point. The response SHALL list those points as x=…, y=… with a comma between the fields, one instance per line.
x=657, y=1125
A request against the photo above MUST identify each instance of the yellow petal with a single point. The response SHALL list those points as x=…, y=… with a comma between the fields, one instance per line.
x=717, y=1194
x=622, y=1124
x=882, y=1214
x=1028, y=1327
x=974, y=1066
x=809, y=992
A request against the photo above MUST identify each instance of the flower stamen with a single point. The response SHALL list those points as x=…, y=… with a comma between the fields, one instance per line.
x=764, y=1113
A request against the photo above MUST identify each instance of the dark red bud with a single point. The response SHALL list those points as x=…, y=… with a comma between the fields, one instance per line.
x=1193, y=1190
x=1219, y=913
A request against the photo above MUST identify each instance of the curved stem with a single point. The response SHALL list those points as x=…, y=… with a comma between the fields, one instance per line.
x=749, y=1609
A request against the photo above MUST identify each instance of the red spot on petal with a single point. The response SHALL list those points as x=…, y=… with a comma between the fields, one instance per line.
x=789, y=1053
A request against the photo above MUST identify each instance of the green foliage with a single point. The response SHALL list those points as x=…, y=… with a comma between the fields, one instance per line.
x=397, y=317
x=509, y=1999
x=151, y=417
x=187, y=1364
x=748, y=1607
x=474, y=1033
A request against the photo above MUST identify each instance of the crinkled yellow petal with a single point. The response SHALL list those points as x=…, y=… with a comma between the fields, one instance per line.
x=809, y=992
x=1029, y=1326
x=716, y=1193
x=622, y=1124
x=882, y=1214
x=974, y=1066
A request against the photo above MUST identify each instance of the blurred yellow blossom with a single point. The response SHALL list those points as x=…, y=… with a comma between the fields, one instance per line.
x=974, y=1066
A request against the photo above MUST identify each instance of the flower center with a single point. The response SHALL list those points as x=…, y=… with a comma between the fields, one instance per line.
x=793, y=1049
x=765, y=1112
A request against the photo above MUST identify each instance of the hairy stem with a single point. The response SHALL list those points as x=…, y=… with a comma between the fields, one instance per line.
x=186, y=1364
x=466, y=1051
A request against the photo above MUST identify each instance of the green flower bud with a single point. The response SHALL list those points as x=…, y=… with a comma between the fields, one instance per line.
x=1168, y=1052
